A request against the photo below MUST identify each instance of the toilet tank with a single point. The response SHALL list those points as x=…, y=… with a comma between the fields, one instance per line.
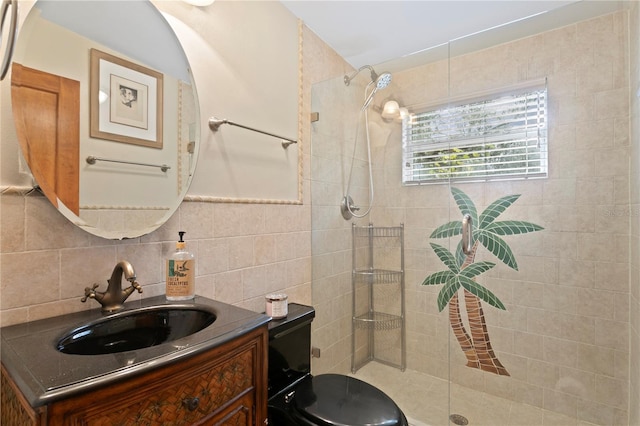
x=290, y=347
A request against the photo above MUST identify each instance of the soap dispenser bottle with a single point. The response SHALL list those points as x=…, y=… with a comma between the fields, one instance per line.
x=181, y=270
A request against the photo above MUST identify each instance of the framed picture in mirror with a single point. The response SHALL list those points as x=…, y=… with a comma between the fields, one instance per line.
x=125, y=101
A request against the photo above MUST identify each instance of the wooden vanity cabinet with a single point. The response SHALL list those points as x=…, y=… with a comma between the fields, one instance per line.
x=226, y=385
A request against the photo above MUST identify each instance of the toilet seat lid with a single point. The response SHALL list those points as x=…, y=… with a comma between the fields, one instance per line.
x=338, y=400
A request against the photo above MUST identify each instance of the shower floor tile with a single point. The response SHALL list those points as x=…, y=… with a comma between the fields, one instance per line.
x=424, y=400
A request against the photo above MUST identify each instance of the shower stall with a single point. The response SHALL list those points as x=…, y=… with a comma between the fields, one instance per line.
x=537, y=330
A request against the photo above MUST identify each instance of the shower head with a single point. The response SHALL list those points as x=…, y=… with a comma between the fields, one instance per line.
x=381, y=80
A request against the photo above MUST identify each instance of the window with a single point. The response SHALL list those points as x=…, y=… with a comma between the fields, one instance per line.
x=504, y=137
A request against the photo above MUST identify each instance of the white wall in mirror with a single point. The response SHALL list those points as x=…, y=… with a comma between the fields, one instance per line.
x=153, y=46
x=98, y=181
x=13, y=171
x=115, y=200
x=248, y=77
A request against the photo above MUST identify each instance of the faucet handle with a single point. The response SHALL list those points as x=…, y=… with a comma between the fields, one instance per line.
x=89, y=293
x=137, y=286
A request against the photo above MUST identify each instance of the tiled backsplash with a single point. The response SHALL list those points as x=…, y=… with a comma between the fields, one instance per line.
x=243, y=252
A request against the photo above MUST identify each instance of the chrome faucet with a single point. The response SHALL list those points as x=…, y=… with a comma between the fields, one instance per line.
x=114, y=297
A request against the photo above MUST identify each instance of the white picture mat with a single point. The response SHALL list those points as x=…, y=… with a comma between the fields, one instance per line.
x=107, y=68
x=129, y=108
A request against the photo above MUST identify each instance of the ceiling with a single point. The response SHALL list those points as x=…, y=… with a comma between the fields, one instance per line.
x=402, y=33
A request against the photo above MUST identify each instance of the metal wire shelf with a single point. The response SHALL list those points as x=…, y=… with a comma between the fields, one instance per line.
x=378, y=231
x=378, y=276
x=378, y=300
x=378, y=321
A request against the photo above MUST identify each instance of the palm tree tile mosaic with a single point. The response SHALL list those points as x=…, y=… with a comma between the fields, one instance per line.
x=462, y=270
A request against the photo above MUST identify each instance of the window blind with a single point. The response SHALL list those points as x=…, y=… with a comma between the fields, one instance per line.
x=503, y=137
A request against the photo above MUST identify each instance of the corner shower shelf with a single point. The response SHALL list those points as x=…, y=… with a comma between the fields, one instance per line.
x=379, y=276
x=378, y=321
x=376, y=232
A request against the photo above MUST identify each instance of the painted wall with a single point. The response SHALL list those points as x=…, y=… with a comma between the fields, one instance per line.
x=249, y=77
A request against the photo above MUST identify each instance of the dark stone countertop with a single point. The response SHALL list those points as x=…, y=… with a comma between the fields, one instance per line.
x=45, y=375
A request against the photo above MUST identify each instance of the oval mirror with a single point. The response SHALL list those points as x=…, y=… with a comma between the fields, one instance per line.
x=106, y=113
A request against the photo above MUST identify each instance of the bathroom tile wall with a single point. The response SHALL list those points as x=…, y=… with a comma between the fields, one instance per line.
x=243, y=252
x=564, y=337
x=634, y=206
x=332, y=143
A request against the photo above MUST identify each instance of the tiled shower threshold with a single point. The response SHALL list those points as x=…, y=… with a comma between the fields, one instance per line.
x=424, y=400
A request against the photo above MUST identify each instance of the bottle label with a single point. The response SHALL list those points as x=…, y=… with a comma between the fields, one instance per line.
x=180, y=277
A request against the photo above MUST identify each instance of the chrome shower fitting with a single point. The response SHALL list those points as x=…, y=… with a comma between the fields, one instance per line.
x=378, y=81
x=381, y=80
x=347, y=207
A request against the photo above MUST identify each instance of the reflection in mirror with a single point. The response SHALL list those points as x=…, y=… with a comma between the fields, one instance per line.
x=108, y=80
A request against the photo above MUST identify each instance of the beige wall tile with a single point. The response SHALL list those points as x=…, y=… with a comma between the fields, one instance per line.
x=612, y=103
x=577, y=382
x=560, y=403
x=602, y=414
x=29, y=278
x=264, y=249
x=232, y=220
x=612, y=276
x=196, y=220
x=205, y=286
x=612, y=392
x=596, y=359
x=85, y=267
x=41, y=218
x=543, y=374
x=560, y=191
x=602, y=247
x=213, y=256
x=529, y=345
x=560, y=352
x=241, y=252
x=594, y=191
x=12, y=211
x=577, y=273
x=58, y=307
x=596, y=303
x=228, y=287
x=612, y=334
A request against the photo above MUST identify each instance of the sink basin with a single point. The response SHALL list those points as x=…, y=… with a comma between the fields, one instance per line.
x=136, y=329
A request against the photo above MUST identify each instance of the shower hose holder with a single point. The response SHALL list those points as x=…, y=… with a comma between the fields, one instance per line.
x=347, y=207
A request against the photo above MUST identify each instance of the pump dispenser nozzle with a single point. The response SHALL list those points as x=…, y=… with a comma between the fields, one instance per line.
x=180, y=244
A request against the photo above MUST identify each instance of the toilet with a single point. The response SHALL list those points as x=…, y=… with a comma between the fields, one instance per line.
x=297, y=398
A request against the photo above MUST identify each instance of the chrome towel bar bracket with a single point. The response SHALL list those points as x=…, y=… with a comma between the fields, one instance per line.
x=92, y=160
x=215, y=123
